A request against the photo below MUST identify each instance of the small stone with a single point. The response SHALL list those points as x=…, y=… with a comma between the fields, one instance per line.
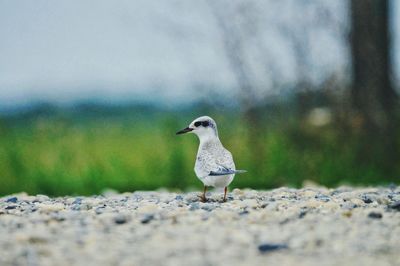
x=208, y=207
x=375, y=215
x=347, y=214
x=50, y=207
x=331, y=205
x=251, y=203
x=348, y=205
x=77, y=201
x=42, y=198
x=323, y=198
x=11, y=207
x=265, y=248
x=12, y=200
x=309, y=193
x=312, y=203
x=302, y=214
x=179, y=197
x=194, y=206
x=244, y=212
x=357, y=202
x=148, y=208
x=147, y=219
x=192, y=197
x=367, y=200
x=99, y=210
x=120, y=219
x=395, y=206
x=237, y=192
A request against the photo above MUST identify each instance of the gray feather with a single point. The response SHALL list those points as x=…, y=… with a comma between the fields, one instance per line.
x=222, y=170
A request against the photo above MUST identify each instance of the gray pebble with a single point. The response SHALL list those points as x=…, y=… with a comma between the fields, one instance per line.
x=395, y=206
x=265, y=248
x=375, y=215
x=194, y=206
x=12, y=200
x=147, y=218
x=120, y=219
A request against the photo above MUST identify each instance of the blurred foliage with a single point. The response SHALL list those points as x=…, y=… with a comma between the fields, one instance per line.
x=90, y=148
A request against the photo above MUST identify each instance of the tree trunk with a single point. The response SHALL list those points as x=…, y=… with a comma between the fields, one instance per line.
x=373, y=94
x=373, y=97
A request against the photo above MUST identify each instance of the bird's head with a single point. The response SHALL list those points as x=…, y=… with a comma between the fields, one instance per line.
x=204, y=127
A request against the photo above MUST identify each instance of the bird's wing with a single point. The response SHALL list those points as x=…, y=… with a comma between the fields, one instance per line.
x=222, y=170
x=215, y=164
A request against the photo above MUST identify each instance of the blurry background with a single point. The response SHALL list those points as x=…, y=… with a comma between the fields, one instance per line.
x=92, y=92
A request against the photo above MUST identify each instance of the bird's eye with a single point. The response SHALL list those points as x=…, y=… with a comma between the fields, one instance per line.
x=205, y=123
x=197, y=124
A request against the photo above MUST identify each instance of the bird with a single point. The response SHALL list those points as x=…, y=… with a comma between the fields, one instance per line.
x=214, y=164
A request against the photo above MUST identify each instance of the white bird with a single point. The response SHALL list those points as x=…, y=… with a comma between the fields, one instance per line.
x=214, y=164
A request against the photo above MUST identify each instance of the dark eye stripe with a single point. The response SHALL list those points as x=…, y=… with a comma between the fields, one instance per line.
x=205, y=123
x=197, y=124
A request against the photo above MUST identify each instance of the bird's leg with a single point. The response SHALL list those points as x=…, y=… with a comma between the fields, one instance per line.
x=225, y=190
x=203, y=197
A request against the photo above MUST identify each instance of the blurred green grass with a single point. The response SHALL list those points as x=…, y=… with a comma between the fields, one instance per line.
x=58, y=155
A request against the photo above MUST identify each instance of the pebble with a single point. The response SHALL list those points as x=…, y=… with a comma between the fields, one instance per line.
x=12, y=200
x=120, y=219
x=147, y=218
x=265, y=248
x=375, y=215
x=312, y=226
x=395, y=206
x=50, y=207
x=179, y=197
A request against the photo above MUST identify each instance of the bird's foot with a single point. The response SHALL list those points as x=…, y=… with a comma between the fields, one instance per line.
x=203, y=199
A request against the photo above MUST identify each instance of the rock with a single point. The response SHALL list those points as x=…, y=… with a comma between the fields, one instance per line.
x=244, y=212
x=265, y=248
x=312, y=203
x=50, y=207
x=12, y=200
x=148, y=207
x=179, y=197
x=194, y=206
x=192, y=197
x=237, y=192
x=42, y=198
x=120, y=219
x=77, y=201
x=147, y=219
x=395, y=206
x=357, y=202
x=375, y=215
x=367, y=200
x=208, y=206
x=302, y=214
x=323, y=198
x=11, y=207
x=309, y=193
x=348, y=205
x=250, y=203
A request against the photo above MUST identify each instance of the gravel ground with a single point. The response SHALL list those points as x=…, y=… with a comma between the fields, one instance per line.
x=310, y=226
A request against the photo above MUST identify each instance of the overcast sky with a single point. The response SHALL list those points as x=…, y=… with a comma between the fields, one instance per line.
x=68, y=50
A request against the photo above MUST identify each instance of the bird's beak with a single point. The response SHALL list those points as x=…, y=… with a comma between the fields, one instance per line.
x=185, y=130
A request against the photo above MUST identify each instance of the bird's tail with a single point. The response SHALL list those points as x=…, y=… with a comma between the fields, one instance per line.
x=240, y=171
